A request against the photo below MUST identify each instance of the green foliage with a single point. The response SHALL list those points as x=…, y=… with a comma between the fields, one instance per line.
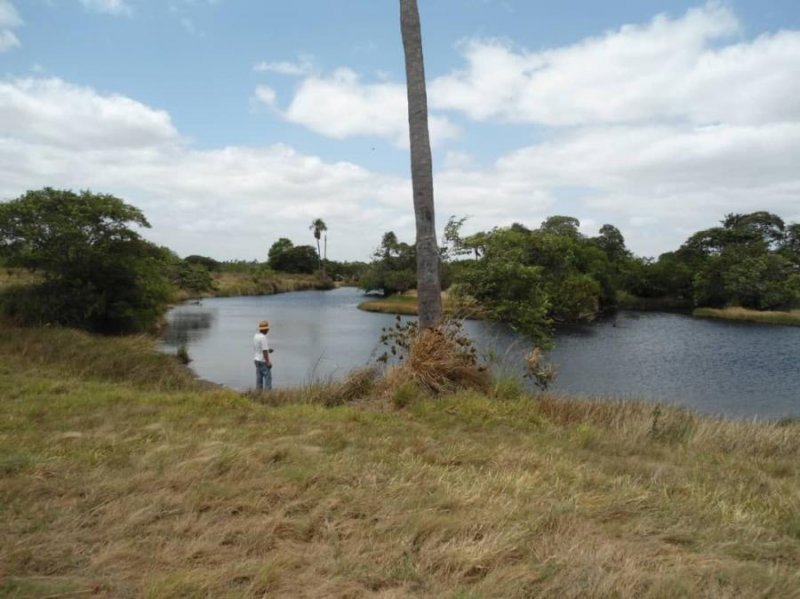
x=277, y=249
x=345, y=271
x=284, y=256
x=209, y=263
x=192, y=274
x=98, y=273
x=532, y=279
x=393, y=269
x=750, y=261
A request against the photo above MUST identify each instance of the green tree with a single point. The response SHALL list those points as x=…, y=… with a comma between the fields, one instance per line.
x=562, y=225
x=279, y=247
x=745, y=262
x=428, y=282
x=296, y=259
x=210, y=264
x=191, y=274
x=392, y=269
x=98, y=273
x=510, y=288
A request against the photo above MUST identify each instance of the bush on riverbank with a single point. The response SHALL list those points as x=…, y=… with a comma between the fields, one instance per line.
x=123, y=477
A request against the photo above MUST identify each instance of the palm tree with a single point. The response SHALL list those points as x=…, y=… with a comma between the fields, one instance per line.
x=428, y=285
x=318, y=226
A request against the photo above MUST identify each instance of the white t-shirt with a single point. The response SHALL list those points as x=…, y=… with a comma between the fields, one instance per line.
x=260, y=345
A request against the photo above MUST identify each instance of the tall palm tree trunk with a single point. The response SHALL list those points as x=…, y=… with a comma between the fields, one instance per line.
x=428, y=284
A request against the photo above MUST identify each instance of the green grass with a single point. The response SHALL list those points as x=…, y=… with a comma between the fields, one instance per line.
x=121, y=476
x=743, y=314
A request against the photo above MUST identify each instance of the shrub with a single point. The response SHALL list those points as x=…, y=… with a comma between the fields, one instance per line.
x=98, y=273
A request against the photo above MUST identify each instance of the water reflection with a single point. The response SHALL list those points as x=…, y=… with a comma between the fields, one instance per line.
x=191, y=322
x=739, y=370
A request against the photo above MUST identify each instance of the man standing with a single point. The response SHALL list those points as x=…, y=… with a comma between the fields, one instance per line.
x=263, y=363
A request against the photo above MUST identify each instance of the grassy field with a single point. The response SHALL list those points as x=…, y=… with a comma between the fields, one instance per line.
x=764, y=316
x=121, y=476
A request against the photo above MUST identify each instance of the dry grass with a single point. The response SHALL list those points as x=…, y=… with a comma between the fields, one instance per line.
x=358, y=385
x=13, y=277
x=238, y=284
x=453, y=305
x=121, y=490
x=791, y=317
x=439, y=360
x=396, y=304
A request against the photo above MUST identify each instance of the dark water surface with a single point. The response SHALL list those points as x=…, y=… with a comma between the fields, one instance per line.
x=739, y=370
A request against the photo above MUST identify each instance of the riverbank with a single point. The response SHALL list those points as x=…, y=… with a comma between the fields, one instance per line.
x=791, y=318
x=406, y=304
x=123, y=476
x=228, y=284
x=225, y=284
x=394, y=304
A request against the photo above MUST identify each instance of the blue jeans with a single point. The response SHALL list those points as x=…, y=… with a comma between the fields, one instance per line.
x=263, y=376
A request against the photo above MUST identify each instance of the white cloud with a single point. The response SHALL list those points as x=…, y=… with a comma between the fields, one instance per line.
x=659, y=179
x=341, y=106
x=111, y=7
x=296, y=69
x=229, y=203
x=9, y=20
x=666, y=70
x=266, y=95
x=56, y=113
x=659, y=129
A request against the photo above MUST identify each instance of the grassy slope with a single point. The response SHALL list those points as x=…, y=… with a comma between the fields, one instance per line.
x=743, y=314
x=156, y=487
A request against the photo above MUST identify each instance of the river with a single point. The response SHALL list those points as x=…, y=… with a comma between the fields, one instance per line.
x=739, y=370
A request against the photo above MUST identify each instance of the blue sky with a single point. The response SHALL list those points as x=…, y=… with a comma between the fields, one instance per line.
x=233, y=123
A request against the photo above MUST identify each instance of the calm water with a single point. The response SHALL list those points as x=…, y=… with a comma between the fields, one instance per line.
x=739, y=370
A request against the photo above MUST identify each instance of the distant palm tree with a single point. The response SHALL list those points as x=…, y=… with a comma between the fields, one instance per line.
x=429, y=289
x=318, y=226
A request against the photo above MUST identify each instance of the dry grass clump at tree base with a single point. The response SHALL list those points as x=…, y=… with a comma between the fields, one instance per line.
x=121, y=489
x=791, y=317
x=440, y=359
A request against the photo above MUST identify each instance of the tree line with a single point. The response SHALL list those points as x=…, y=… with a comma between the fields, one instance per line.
x=536, y=278
x=96, y=272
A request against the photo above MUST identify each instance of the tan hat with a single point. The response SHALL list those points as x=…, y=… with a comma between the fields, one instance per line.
x=263, y=325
